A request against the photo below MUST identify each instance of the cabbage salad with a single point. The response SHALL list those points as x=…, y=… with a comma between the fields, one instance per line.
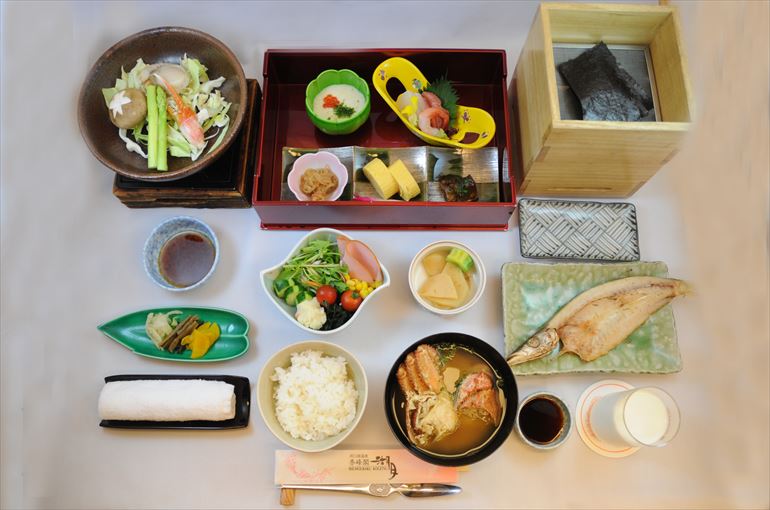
x=165, y=108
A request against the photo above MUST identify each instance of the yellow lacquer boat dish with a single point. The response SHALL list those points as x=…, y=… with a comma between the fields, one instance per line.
x=469, y=119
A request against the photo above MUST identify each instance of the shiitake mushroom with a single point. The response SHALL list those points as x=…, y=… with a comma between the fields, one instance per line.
x=128, y=108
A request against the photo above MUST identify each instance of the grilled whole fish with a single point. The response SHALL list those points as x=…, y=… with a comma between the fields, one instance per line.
x=601, y=318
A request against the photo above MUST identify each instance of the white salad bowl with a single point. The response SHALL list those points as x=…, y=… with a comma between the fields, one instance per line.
x=268, y=276
x=417, y=277
x=318, y=159
x=266, y=394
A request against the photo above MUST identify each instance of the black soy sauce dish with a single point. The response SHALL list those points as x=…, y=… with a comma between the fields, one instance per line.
x=503, y=380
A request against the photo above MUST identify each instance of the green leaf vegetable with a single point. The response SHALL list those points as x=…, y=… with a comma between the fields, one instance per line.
x=317, y=264
x=342, y=110
x=443, y=88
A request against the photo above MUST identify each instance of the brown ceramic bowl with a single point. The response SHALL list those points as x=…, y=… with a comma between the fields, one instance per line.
x=163, y=44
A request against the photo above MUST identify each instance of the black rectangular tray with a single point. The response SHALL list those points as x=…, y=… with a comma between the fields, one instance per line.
x=242, y=405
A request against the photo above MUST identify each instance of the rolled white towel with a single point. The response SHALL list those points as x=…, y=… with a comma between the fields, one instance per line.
x=167, y=400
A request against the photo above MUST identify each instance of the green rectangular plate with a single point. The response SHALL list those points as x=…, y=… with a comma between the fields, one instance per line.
x=533, y=293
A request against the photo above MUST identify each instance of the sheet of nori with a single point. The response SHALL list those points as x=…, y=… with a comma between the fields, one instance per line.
x=605, y=90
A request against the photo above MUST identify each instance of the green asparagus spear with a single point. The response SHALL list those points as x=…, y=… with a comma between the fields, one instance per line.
x=152, y=126
x=162, y=134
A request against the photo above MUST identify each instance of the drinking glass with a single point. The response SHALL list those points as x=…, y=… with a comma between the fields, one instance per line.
x=637, y=417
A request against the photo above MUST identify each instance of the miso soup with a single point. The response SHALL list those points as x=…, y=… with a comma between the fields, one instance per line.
x=466, y=381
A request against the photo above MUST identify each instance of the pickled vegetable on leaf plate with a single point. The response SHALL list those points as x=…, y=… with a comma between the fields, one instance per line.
x=201, y=339
x=170, y=332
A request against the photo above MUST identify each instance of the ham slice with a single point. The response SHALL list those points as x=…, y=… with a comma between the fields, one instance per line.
x=360, y=259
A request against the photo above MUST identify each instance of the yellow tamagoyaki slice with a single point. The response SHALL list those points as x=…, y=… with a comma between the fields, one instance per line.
x=439, y=286
x=407, y=186
x=381, y=178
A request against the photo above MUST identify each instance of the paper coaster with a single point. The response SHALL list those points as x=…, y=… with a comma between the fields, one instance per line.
x=584, y=406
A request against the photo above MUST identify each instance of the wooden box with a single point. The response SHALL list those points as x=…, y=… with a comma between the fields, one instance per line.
x=597, y=158
x=480, y=77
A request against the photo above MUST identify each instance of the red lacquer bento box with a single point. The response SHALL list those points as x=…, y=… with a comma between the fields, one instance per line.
x=480, y=79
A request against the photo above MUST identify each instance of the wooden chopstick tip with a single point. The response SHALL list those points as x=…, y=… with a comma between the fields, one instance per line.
x=287, y=496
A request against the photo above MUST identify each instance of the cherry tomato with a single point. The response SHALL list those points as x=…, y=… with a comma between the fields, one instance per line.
x=351, y=300
x=326, y=294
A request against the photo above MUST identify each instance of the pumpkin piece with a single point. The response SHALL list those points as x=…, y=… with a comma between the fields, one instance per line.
x=434, y=263
x=439, y=286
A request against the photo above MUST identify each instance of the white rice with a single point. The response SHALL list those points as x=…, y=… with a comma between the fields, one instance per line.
x=314, y=398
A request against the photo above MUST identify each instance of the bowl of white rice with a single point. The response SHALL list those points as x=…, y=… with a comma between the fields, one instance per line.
x=311, y=395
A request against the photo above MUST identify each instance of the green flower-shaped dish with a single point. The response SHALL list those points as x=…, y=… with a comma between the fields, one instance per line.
x=533, y=293
x=335, y=77
x=129, y=332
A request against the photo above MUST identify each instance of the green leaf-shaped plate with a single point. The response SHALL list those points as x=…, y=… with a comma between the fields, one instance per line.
x=128, y=331
x=533, y=293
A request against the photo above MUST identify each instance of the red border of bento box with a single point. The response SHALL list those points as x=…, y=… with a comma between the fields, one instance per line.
x=277, y=203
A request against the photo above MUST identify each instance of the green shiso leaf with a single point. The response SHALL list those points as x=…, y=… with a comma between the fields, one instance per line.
x=443, y=88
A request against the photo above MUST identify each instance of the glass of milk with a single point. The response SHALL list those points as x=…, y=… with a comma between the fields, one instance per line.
x=637, y=417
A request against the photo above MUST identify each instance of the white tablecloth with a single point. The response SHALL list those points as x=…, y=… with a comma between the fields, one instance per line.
x=71, y=259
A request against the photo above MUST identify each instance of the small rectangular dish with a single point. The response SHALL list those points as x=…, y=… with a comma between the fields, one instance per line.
x=242, y=391
x=533, y=293
x=426, y=164
x=578, y=230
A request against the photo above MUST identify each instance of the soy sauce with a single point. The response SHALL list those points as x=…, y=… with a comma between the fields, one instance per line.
x=541, y=420
x=186, y=258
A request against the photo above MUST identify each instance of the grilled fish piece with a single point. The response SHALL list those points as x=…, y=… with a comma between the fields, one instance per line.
x=458, y=189
x=599, y=319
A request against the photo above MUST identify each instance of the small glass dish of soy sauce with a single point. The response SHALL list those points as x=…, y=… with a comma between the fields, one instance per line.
x=543, y=421
x=181, y=253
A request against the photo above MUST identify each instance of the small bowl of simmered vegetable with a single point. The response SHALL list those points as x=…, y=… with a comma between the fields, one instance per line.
x=325, y=281
x=447, y=277
x=162, y=104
